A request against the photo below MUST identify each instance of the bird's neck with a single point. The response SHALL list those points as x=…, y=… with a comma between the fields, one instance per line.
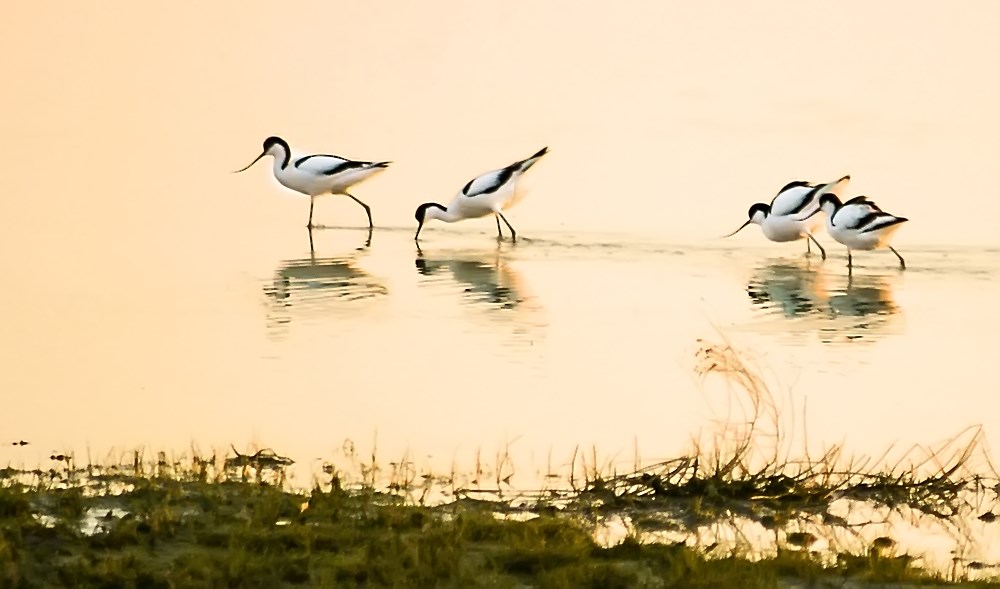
x=442, y=214
x=282, y=158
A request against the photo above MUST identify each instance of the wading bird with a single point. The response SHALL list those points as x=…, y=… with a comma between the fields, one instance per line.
x=487, y=194
x=782, y=220
x=317, y=174
x=860, y=225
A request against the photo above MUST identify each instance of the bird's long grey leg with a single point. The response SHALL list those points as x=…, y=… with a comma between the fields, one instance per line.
x=850, y=261
x=312, y=202
x=902, y=263
x=822, y=252
x=513, y=234
x=499, y=233
x=368, y=210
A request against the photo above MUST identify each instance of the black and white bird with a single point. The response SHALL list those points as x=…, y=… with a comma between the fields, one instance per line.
x=487, y=194
x=860, y=224
x=782, y=220
x=317, y=174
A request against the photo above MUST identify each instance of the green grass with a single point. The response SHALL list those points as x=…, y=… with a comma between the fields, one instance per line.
x=183, y=532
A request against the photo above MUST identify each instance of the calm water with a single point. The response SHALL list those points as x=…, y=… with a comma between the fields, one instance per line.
x=466, y=344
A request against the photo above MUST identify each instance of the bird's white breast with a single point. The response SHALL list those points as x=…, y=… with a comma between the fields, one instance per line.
x=298, y=180
x=781, y=229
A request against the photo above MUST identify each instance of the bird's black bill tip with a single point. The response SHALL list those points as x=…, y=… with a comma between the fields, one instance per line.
x=251, y=164
x=737, y=231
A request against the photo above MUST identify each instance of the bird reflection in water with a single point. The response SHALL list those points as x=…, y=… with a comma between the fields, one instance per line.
x=840, y=308
x=791, y=289
x=488, y=283
x=310, y=284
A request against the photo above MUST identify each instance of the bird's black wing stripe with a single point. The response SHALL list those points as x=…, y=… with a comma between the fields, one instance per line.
x=794, y=184
x=303, y=160
x=862, y=200
x=883, y=222
x=862, y=221
x=806, y=199
x=501, y=179
x=344, y=167
x=341, y=167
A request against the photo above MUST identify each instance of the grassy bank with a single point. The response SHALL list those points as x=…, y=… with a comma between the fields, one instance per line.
x=189, y=530
x=738, y=510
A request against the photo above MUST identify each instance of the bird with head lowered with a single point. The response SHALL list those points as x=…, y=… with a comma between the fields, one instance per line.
x=490, y=193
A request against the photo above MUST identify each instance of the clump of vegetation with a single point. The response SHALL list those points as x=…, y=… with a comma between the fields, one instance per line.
x=733, y=476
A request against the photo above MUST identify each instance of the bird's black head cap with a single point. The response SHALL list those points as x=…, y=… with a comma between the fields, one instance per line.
x=422, y=210
x=272, y=141
x=829, y=198
x=764, y=208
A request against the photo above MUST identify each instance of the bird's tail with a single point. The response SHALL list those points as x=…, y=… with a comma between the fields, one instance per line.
x=525, y=164
x=380, y=164
x=519, y=168
x=835, y=187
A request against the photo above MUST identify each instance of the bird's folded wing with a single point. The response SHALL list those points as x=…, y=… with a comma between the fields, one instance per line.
x=327, y=165
x=857, y=215
x=488, y=183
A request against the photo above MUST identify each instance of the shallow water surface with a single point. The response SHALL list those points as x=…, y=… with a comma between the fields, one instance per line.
x=465, y=344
